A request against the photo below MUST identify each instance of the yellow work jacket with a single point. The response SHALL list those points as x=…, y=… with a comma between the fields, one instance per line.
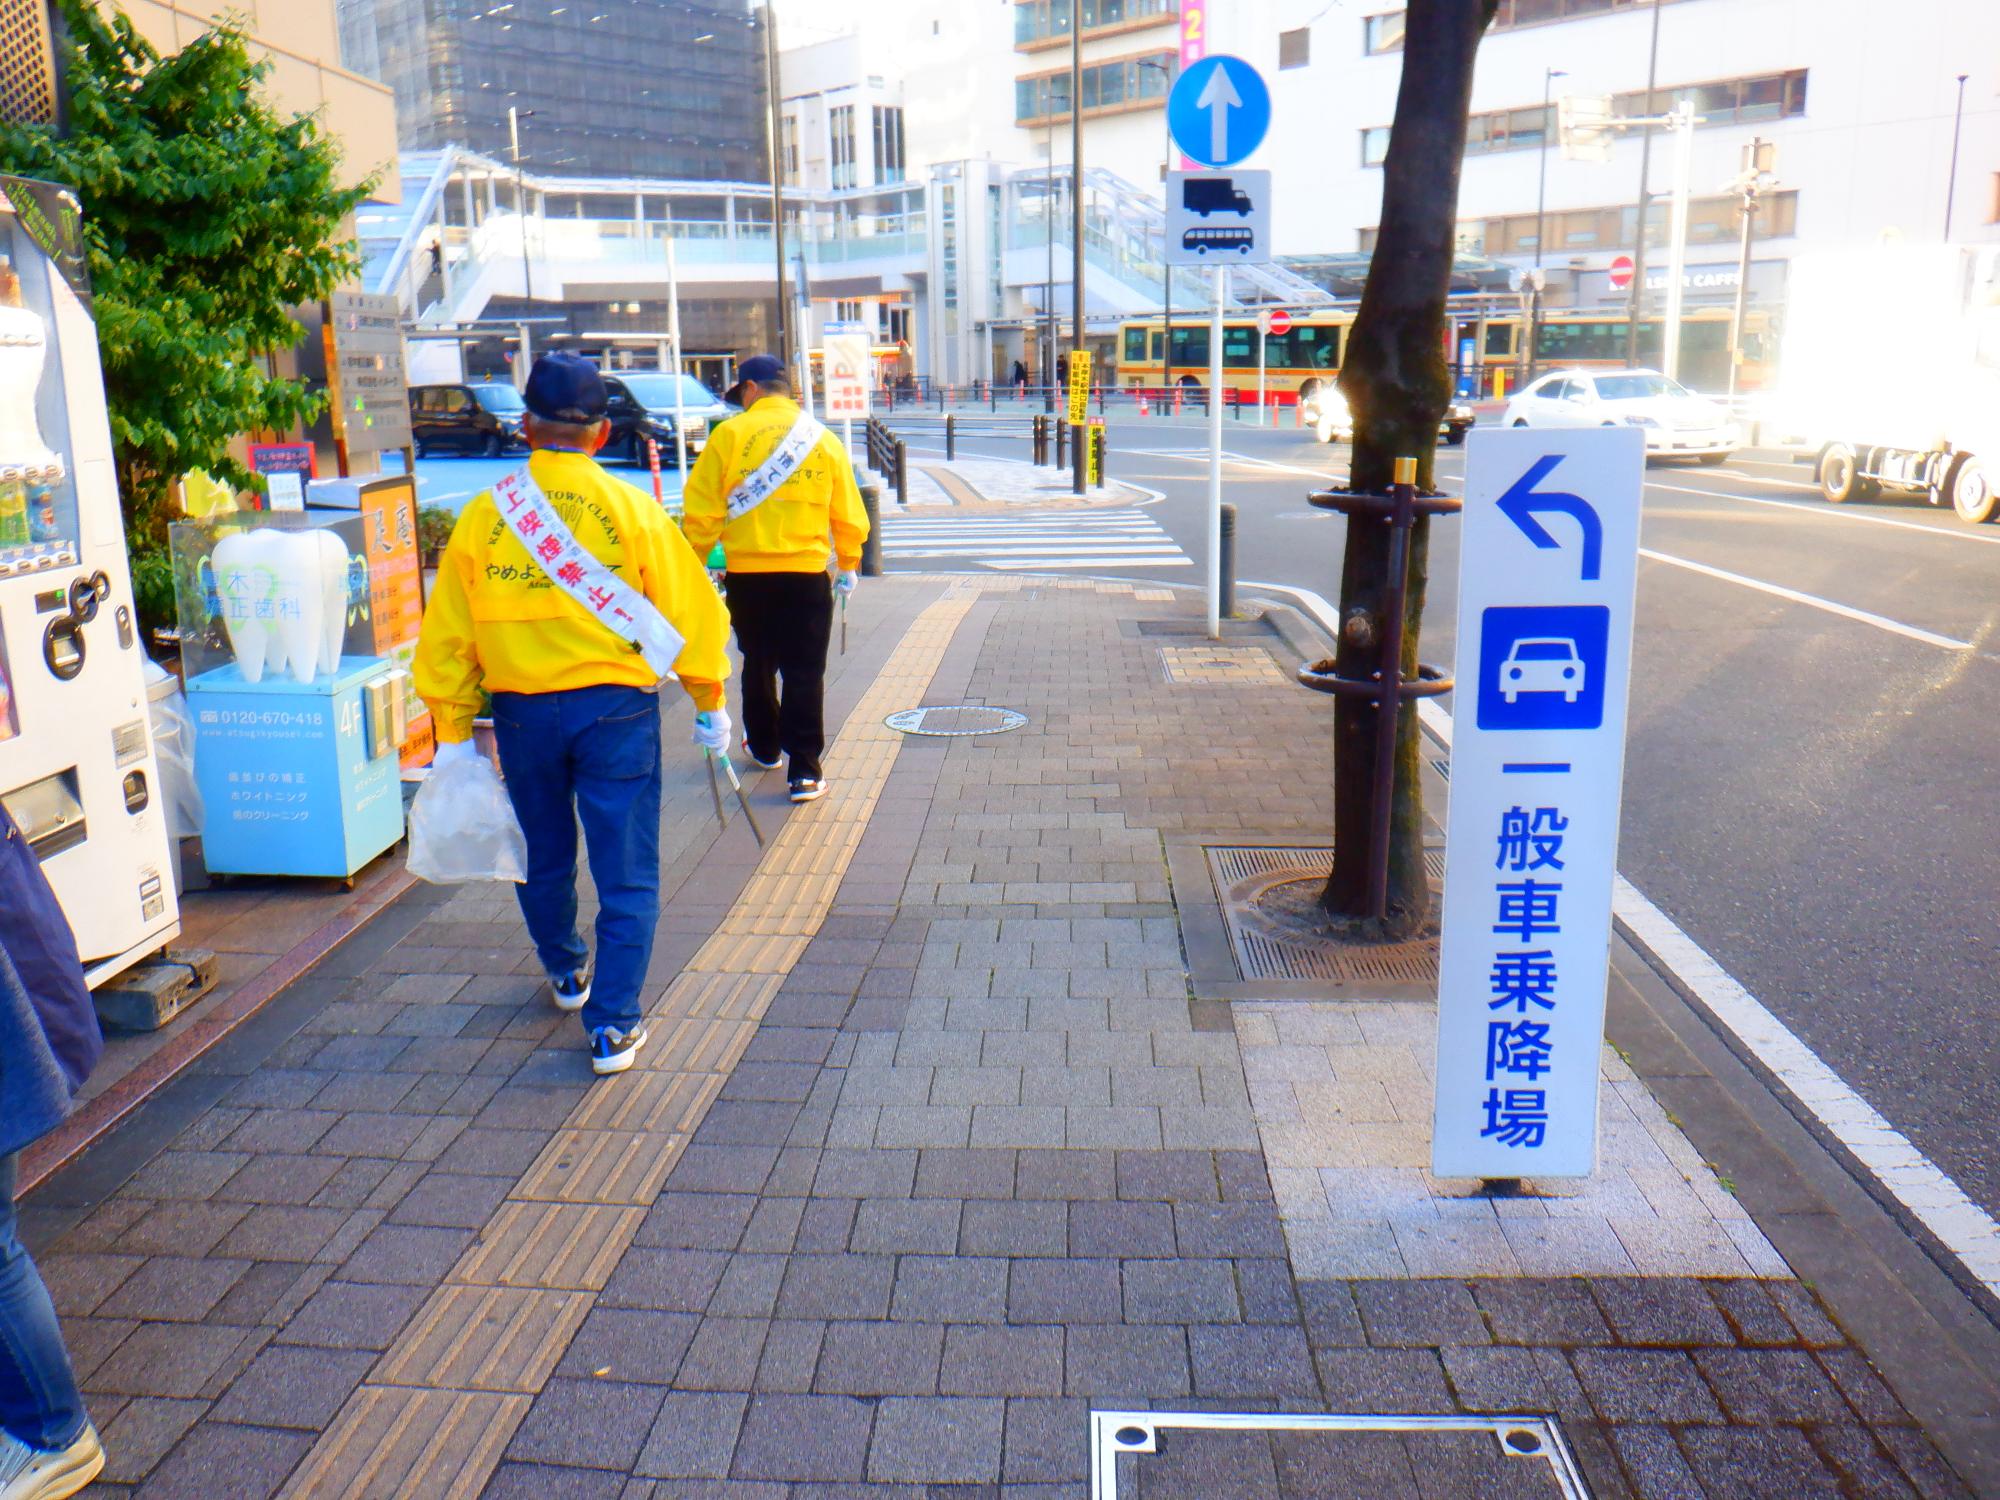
x=496, y=621
x=789, y=532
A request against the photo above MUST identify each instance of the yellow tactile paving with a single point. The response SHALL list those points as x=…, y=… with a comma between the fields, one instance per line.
x=553, y=1246
x=442, y=1403
x=486, y=1338
x=392, y=1442
x=601, y=1166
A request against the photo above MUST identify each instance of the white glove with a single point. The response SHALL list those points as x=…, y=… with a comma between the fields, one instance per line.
x=844, y=584
x=452, y=752
x=711, y=730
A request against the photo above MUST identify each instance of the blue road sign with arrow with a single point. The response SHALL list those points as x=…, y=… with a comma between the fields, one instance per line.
x=1219, y=111
x=1523, y=501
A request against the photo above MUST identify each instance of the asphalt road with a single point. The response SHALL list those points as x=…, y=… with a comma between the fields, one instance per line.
x=1809, y=772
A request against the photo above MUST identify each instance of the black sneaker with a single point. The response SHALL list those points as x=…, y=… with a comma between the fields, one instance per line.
x=808, y=788
x=613, y=1051
x=572, y=990
x=755, y=759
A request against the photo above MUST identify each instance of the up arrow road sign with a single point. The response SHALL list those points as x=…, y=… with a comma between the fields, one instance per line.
x=1219, y=111
x=1523, y=500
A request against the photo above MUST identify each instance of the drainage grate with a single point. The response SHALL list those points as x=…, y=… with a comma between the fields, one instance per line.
x=1196, y=1456
x=1227, y=664
x=1267, y=898
x=955, y=720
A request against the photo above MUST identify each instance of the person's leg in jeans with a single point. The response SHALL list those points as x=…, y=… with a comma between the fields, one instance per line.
x=615, y=738
x=750, y=608
x=806, y=615
x=39, y=1402
x=535, y=759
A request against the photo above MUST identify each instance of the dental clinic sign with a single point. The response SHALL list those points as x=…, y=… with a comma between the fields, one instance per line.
x=1548, y=563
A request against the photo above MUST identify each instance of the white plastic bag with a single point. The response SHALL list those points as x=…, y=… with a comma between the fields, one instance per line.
x=173, y=746
x=462, y=827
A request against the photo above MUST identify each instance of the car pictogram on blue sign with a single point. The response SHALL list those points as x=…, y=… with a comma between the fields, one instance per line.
x=1542, y=666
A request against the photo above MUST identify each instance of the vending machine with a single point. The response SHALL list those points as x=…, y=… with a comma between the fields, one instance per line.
x=77, y=771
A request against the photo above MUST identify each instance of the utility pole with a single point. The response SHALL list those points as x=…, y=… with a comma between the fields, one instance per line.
x=1549, y=76
x=514, y=119
x=1951, y=182
x=1750, y=184
x=1684, y=119
x=1638, y=300
x=1079, y=440
x=784, y=327
x=1049, y=285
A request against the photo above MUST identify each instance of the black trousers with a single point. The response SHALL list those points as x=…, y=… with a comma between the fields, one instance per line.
x=784, y=622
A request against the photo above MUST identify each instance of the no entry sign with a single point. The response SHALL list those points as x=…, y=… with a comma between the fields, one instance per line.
x=1278, y=322
x=1621, y=272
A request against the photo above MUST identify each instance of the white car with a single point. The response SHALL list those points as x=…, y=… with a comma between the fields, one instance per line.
x=1677, y=423
x=1542, y=664
x=1325, y=412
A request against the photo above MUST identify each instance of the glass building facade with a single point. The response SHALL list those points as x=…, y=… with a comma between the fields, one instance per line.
x=618, y=88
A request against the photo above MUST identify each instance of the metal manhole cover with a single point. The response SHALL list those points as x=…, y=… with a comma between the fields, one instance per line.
x=1266, y=897
x=1152, y=1455
x=954, y=720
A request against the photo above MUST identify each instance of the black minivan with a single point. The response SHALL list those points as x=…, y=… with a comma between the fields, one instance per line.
x=480, y=416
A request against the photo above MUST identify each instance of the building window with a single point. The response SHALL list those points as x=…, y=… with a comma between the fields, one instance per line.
x=1383, y=33
x=1295, y=47
x=840, y=127
x=888, y=145
x=948, y=252
x=1041, y=23
x=1716, y=220
x=791, y=148
x=1127, y=83
x=1733, y=101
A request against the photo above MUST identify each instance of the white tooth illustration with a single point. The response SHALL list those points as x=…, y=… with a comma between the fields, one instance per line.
x=301, y=600
x=243, y=585
x=333, y=558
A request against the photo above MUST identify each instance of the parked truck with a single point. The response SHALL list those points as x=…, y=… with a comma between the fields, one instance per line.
x=1890, y=377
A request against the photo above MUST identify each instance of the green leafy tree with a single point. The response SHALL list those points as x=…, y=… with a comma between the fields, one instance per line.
x=208, y=217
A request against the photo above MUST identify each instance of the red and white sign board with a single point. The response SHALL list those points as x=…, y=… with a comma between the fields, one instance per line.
x=1278, y=322
x=848, y=355
x=1621, y=272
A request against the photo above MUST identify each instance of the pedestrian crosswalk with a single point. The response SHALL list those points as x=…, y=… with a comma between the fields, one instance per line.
x=1042, y=541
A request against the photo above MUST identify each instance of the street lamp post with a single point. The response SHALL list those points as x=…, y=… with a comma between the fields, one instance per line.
x=1166, y=250
x=1549, y=76
x=784, y=327
x=1645, y=173
x=1951, y=182
x=1079, y=441
x=1049, y=284
x=514, y=119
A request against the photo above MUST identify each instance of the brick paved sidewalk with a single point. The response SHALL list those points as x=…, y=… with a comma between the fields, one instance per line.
x=931, y=1155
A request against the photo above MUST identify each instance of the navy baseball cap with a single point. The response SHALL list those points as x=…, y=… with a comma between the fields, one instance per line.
x=566, y=388
x=760, y=368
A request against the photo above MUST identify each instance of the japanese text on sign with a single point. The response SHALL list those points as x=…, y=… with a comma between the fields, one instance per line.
x=1079, y=385
x=1545, y=593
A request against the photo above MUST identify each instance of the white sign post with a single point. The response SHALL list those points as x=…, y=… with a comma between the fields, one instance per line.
x=679, y=367
x=1549, y=559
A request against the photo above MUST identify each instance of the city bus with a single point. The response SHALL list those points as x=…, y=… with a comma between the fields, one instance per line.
x=1488, y=355
x=1296, y=362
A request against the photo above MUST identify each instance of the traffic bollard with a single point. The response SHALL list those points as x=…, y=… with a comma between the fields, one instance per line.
x=871, y=548
x=1226, y=591
x=1062, y=443
x=950, y=439
x=902, y=472
x=1038, y=441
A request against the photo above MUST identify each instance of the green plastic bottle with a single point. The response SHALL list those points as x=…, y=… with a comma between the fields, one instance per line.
x=14, y=531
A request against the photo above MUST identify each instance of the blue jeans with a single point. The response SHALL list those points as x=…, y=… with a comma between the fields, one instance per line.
x=592, y=752
x=39, y=1401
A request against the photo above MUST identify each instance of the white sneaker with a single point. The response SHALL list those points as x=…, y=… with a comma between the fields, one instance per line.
x=572, y=992
x=41, y=1474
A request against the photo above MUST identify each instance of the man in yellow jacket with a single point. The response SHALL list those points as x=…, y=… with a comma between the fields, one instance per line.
x=778, y=490
x=568, y=596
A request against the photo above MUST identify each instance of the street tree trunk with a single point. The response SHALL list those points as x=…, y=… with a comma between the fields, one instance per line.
x=1397, y=386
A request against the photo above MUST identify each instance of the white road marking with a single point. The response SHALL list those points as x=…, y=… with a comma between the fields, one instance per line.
x=1837, y=512
x=1812, y=601
x=1967, y=1232
x=1043, y=540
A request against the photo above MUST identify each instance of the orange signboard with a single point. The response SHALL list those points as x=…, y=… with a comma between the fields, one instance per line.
x=396, y=593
